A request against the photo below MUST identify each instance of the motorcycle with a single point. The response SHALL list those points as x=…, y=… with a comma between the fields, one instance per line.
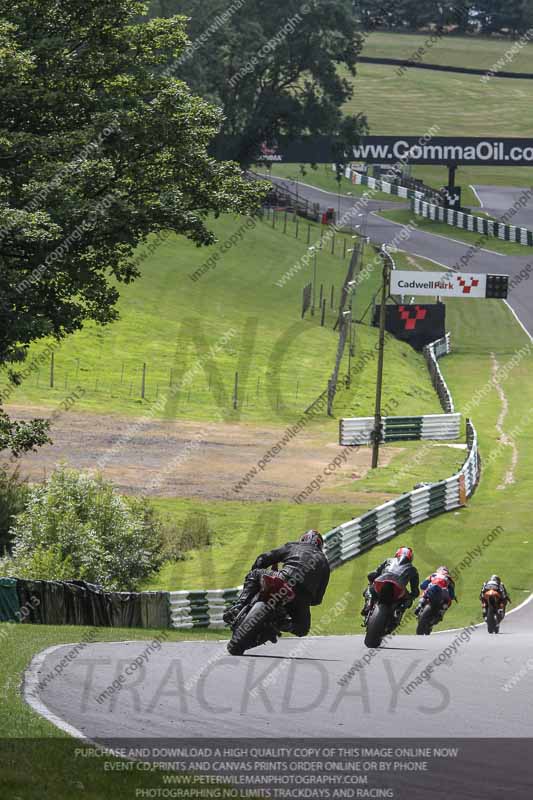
x=432, y=612
x=386, y=611
x=264, y=617
x=493, y=604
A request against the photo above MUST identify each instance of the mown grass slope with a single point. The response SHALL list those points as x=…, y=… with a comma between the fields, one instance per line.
x=194, y=335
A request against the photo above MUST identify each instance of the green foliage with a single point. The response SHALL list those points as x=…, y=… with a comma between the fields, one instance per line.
x=98, y=149
x=192, y=534
x=484, y=16
x=13, y=498
x=43, y=563
x=273, y=67
x=93, y=534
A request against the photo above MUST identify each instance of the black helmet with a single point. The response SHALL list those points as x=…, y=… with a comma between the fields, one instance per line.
x=495, y=579
x=313, y=537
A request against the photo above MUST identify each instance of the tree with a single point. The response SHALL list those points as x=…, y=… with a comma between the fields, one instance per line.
x=99, y=148
x=276, y=68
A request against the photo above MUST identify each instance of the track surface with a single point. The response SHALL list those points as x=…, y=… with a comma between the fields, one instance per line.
x=441, y=249
x=496, y=200
x=195, y=690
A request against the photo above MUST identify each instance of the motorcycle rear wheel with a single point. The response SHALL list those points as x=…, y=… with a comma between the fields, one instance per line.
x=377, y=625
x=425, y=622
x=246, y=635
x=492, y=620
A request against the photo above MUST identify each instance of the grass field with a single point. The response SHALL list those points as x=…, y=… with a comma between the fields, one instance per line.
x=403, y=217
x=455, y=51
x=178, y=327
x=323, y=177
x=460, y=105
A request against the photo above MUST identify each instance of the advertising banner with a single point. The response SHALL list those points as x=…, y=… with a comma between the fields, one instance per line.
x=438, y=284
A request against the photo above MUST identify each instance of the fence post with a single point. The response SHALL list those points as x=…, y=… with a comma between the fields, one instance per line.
x=297, y=223
x=273, y=219
x=331, y=300
x=236, y=391
x=323, y=318
x=333, y=245
x=321, y=294
x=285, y=222
x=143, y=382
x=308, y=232
x=52, y=364
x=344, y=249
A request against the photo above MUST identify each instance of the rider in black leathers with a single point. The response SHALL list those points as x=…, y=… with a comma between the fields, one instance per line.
x=305, y=568
x=399, y=569
x=496, y=583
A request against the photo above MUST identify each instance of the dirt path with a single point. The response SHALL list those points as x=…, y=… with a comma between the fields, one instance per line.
x=504, y=437
x=199, y=459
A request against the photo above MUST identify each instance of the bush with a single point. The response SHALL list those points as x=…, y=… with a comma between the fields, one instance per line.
x=193, y=534
x=89, y=533
x=13, y=499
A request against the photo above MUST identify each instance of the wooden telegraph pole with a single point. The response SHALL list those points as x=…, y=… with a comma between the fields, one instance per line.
x=381, y=353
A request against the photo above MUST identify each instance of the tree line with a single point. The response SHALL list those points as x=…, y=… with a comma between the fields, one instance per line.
x=505, y=17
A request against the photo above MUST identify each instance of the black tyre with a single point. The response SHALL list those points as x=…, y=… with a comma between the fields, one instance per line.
x=425, y=622
x=492, y=620
x=377, y=625
x=247, y=634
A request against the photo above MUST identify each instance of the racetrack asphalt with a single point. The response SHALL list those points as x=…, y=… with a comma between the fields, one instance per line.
x=444, y=251
x=298, y=688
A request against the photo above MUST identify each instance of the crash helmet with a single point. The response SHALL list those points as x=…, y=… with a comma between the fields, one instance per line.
x=313, y=537
x=404, y=554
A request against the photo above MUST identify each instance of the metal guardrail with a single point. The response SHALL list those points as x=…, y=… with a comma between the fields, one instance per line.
x=432, y=353
x=358, y=535
x=392, y=188
x=201, y=609
x=469, y=222
x=358, y=430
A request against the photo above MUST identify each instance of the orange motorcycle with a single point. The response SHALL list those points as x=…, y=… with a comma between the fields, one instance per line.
x=495, y=609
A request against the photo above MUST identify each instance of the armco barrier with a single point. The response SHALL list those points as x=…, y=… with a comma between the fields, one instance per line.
x=201, y=609
x=468, y=222
x=352, y=538
x=387, y=187
x=432, y=353
x=358, y=430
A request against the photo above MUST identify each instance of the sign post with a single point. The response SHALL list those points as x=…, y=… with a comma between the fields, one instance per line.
x=438, y=284
x=381, y=355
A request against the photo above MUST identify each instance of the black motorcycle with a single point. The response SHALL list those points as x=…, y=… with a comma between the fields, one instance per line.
x=385, y=612
x=430, y=615
x=262, y=619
